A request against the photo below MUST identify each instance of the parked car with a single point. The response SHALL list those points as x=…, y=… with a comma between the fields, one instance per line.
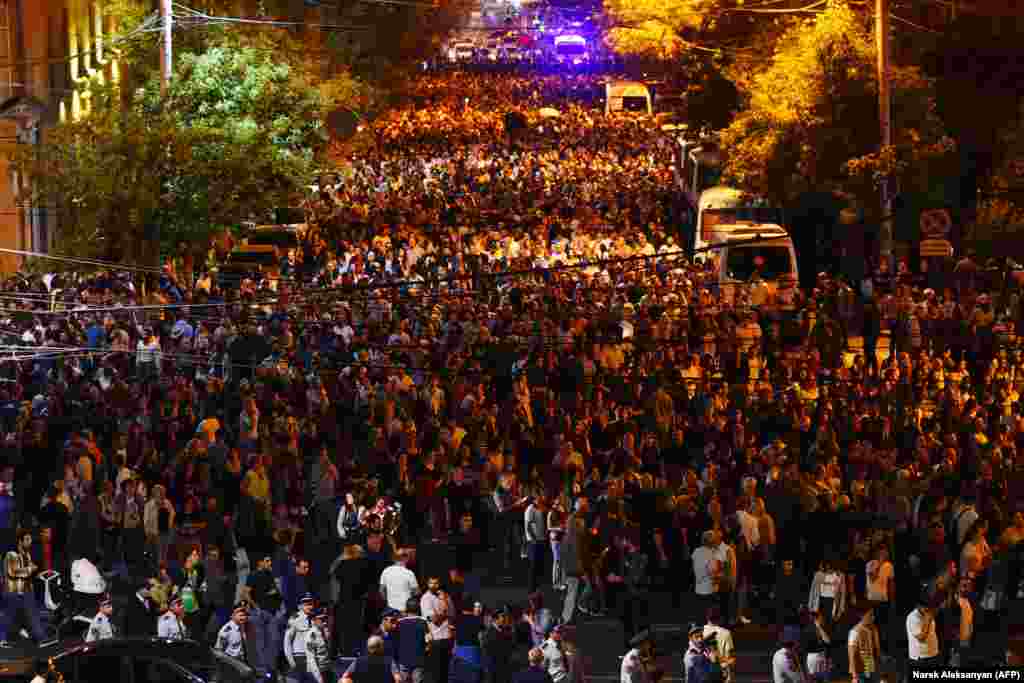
x=128, y=660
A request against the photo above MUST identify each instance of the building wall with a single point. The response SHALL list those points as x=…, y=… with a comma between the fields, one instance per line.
x=45, y=47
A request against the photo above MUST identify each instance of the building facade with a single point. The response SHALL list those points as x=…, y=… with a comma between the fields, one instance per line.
x=46, y=47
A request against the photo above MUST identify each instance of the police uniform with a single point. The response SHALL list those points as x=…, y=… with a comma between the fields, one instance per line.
x=318, y=657
x=170, y=626
x=295, y=637
x=231, y=639
x=100, y=627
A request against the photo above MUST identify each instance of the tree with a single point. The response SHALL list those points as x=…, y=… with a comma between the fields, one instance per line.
x=238, y=134
x=811, y=119
x=716, y=44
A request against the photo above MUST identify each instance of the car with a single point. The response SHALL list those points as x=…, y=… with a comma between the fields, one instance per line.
x=129, y=660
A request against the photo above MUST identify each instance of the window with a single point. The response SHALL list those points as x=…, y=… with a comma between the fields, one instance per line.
x=99, y=667
x=156, y=671
x=742, y=261
x=634, y=104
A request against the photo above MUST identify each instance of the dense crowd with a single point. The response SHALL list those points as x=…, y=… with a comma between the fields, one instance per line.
x=489, y=337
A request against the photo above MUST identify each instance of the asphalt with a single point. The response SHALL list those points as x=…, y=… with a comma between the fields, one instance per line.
x=601, y=639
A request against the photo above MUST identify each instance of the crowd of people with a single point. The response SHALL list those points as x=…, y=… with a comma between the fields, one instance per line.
x=490, y=338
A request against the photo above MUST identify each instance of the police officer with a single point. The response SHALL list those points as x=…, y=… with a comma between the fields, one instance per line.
x=101, y=627
x=231, y=638
x=318, y=657
x=170, y=624
x=295, y=638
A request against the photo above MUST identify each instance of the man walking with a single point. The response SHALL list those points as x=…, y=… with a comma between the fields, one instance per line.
x=864, y=649
x=535, y=523
x=413, y=643
x=295, y=638
x=373, y=667
x=398, y=583
x=574, y=547
x=436, y=607
x=922, y=636
x=18, y=572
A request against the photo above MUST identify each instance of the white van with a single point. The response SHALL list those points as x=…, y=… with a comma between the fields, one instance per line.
x=764, y=250
x=745, y=237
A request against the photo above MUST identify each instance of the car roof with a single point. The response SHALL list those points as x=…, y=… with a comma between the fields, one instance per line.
x=17, y=660
x=20, y=660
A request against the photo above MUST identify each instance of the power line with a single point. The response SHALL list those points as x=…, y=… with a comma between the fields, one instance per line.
x=913, y=25
x=809, y=8
x=146, y=25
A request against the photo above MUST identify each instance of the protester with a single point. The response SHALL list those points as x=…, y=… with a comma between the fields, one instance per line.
x=473, y=323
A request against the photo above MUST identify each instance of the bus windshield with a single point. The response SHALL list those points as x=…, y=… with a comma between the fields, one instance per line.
x=741, y=262
x=745, y=214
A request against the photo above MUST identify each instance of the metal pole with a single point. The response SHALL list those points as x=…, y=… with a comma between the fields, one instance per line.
x=885, y=117
x=165, y=53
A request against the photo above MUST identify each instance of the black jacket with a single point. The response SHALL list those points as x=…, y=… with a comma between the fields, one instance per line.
x=498, y=653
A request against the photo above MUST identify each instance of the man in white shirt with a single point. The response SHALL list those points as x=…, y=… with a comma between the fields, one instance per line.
x=881, y=591
x=707, y=570
x=864, y=650
x=436, y=608
x=713, y=630
x=786, y=667
x=922, y=638
x=398, y=583
x=535, y=524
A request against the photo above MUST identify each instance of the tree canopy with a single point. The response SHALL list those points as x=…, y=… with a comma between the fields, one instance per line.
x=811, y=120
x=238, y=134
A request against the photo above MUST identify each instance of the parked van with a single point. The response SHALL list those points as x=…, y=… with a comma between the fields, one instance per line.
x=752, y=253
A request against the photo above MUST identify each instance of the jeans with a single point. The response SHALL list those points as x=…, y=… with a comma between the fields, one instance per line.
x=298, y=673
x=535, y=555
x=557, y=573
x=411, y=674
x=572, y=588
x=863, y=677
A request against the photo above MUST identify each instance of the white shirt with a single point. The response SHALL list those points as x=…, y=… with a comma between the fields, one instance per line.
x=917, y=625
x=724, y=638
x=878, y=590
x=632, y=669
x=399, y=584
x=704, y=568
x=534, y=524
x=830, y=585
x=786, y=668
x=749, y=527
x=430, y=605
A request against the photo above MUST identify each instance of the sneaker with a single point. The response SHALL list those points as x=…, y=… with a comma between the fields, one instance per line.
x=745, y=621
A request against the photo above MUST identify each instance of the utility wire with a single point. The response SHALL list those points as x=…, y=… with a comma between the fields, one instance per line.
x=146, y=25
x=913, y=25
x=809, y=8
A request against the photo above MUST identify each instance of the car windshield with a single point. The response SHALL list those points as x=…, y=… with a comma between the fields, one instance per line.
x=634, y=104
x=741, y=262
